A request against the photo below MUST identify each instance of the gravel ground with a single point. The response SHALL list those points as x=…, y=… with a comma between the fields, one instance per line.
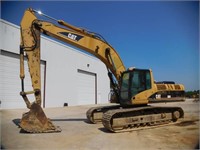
x=78, y=134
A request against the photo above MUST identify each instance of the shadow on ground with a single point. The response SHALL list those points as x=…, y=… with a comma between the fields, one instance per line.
x=105, y=130
x=70, y=119
x=187, y=122
x=16, y=122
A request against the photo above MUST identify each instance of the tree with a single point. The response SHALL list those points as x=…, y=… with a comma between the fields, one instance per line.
x=192, y=94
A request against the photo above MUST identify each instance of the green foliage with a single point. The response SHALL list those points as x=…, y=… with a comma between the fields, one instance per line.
x=192, y=94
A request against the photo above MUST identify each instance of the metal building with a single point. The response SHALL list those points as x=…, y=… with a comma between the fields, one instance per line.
x=68, y=76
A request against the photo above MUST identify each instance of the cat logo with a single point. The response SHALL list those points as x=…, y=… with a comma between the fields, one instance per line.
x=71, y=36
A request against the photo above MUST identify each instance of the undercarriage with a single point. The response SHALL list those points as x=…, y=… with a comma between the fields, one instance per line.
x=117, y=119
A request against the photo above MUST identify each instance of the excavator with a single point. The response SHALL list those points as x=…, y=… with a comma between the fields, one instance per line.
x=133, y=88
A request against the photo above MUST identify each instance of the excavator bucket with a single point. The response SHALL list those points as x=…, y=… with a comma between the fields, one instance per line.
x=35, y=121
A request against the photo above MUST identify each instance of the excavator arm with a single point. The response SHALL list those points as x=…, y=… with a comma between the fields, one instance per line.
x=31, y=29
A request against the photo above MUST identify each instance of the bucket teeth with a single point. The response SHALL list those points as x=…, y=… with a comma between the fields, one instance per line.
x=35, y=121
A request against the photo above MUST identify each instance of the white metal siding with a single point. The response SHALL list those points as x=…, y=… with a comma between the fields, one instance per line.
x=10, y=83
x=86, y=88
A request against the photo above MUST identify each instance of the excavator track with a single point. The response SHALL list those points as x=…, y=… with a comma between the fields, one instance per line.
x=120, y=120
x=95, y=114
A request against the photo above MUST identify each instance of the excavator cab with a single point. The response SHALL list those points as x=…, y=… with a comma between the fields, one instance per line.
x=133, y=82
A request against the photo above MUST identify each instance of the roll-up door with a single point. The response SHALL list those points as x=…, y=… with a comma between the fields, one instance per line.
x=10, y=83
x=86, y=89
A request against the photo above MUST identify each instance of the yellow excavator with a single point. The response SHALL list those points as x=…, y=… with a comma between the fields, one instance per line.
x=133, y=88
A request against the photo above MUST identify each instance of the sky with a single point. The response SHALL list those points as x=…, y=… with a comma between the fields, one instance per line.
x=158, y=35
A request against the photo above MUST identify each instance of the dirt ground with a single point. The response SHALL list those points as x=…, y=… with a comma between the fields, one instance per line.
x=77, y=133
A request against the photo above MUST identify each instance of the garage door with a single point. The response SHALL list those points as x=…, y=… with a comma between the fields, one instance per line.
x=10, y=83
x=86, y=87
